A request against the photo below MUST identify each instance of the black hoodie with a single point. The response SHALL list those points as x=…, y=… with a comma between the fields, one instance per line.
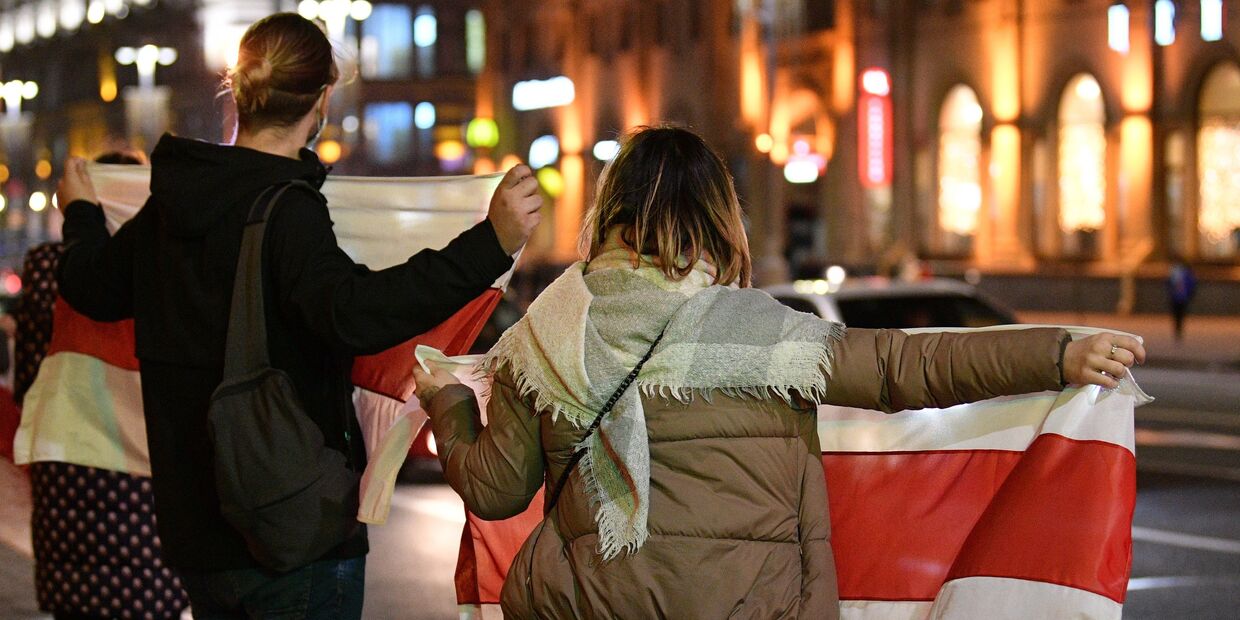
x=171, y=269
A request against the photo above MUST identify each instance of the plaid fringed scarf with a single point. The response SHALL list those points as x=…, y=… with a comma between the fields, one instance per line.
x=588, y=329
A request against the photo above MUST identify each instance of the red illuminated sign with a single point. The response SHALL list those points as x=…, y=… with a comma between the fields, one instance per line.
x=874, y=144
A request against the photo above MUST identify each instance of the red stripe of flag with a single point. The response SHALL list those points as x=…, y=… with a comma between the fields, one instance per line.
x=487, y=551
x=390, y=373
x=74, y=333
x=899, y=519
x=1064, y=516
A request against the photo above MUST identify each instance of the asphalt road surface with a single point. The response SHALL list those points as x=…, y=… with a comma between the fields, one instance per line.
x=1186, y=530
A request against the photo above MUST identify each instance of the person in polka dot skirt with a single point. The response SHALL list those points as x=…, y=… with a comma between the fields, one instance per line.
x=96, y=550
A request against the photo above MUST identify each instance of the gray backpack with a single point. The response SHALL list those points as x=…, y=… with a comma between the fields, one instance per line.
x=292, y=498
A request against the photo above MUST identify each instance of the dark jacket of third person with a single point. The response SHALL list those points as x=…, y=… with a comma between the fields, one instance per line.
x=171, y=269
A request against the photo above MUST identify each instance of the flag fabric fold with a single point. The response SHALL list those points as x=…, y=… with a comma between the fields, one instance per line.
x=1015, y=507
x=85, y=405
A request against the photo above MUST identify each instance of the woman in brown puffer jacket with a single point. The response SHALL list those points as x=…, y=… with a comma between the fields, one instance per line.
x=700, y=493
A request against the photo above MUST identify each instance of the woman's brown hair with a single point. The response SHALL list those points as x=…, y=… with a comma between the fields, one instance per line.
x=672, y=198
x=284, y=64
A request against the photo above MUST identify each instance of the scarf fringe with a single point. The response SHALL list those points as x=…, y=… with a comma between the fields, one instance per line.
x=503, y=355
x=617, y=533
x=814, y=390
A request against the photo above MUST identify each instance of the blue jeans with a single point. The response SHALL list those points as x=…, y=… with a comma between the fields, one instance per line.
x=324, y=590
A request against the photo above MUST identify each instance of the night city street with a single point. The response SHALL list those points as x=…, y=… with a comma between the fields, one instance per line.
x=239, y=238
x=1186, y=530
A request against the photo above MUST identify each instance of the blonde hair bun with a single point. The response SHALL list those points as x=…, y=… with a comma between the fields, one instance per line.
x=251, y=83
x=285, y=62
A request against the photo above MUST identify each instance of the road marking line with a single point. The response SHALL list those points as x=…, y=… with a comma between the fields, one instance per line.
x=1179, y=581
x=1188, y=541
x=1182, y=416
x=1187, y=439
x=444, y=510
x=1162, y=466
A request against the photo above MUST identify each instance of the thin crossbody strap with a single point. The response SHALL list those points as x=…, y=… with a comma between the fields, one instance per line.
x=598, y=419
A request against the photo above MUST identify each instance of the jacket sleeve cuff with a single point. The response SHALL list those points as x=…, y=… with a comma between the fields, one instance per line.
x=85, y=209
x=1064, y=339
x=454, y=418
x=481, y=244
x=447, y=399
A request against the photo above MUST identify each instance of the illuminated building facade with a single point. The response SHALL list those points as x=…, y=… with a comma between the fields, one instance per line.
x=119, y=73
x=1086, y=139
x=1040, y=139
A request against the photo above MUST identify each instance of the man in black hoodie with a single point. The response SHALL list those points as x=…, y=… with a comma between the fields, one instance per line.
x=171, y=269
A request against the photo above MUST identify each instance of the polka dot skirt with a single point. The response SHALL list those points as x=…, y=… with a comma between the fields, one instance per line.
x=95, y=546
x=33, y=314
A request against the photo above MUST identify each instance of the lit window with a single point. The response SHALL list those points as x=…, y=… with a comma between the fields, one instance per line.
x=389, y=131
x=1164, y=22
x=425, y=33
x=424, y=115
x=1082, y=156
x=425, y=27
x=475, y=41
x=1218, y=164
x=1117, y=28
x=1212, y=20
x=960, y=168
x=387, y=42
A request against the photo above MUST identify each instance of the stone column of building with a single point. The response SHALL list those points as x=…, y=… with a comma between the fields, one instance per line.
x=570, y=207
x=761, y=189
x=1002, y=246
x=843, y=202
x=839, y=185
x=901, y=229
x=1136, y=164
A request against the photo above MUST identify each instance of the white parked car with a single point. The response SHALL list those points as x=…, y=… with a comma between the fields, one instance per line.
x=885, y=303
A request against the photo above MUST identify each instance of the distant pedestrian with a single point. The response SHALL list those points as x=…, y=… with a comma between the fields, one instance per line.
x=1181, y=287
x=97, y=554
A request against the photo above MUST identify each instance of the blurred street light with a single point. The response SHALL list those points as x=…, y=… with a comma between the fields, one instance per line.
x=335, y=13
x=482, y=133
x=606, y=150
x=146, y=58
x=544, y=151
x=13, y=92
x=38, y=201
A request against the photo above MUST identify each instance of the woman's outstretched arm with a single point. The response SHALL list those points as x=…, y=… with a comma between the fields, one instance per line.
x=890, y=370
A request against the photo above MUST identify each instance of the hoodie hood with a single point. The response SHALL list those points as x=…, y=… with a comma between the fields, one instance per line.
x=196, y=183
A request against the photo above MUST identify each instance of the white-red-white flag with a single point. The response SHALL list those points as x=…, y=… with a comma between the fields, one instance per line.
x=85, y=406
x=1014, y=507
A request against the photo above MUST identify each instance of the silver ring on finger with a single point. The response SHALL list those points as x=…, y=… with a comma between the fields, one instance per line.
x=1114, y=348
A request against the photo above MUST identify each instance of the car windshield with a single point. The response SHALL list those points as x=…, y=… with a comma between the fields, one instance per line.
x=929, y=310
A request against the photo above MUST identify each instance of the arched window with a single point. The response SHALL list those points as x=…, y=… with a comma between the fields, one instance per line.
x=1218, y=164
x=1082, y=158
x=960, y=167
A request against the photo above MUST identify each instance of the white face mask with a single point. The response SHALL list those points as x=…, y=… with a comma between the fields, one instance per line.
x=321, y=123
x=318, y=127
